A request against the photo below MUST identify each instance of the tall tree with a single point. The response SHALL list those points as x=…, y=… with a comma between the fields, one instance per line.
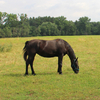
x=3, y=16
x=23, y=18
x=59, y=21
x=24, y=25
x=83, y=25
x=11, y=20
x=48, y=28
x=69, y=28
x=2, y=34
x=7, y=32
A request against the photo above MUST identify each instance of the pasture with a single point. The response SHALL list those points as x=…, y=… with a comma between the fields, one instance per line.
x=48, y=84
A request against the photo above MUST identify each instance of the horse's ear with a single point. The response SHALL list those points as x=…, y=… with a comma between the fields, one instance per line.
x=76, y=58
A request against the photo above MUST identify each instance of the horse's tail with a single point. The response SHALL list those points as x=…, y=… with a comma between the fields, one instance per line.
x=25, y=51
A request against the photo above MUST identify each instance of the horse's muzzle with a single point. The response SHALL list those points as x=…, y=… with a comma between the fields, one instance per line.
x=77, y=71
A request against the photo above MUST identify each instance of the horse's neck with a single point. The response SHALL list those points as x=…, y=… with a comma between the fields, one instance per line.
x=71, y=55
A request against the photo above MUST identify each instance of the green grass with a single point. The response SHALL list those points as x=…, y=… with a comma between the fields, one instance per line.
x=48, y=84
x=5, y=47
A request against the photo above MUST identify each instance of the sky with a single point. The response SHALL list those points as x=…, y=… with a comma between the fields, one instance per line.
x=71, y=9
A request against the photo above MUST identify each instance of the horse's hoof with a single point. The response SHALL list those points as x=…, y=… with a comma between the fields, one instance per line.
x=60, y=73
x=25, y=74
x=34, y=74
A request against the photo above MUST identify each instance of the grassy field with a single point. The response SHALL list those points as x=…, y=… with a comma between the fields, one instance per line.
x=48, y=84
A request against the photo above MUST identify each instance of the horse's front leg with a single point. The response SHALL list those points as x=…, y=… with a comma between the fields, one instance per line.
x=60, y=58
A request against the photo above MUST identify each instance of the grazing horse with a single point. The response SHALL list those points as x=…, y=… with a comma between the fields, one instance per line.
x=49, y=48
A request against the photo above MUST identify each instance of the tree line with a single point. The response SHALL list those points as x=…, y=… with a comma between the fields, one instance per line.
x=19, y=25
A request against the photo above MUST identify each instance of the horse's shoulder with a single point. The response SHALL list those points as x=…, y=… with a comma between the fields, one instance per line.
x=59, y=41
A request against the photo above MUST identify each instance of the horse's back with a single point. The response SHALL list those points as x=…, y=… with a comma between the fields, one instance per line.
x=52, y=48
x=47, y=48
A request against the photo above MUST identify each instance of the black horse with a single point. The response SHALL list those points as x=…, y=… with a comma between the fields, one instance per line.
x=49, y=48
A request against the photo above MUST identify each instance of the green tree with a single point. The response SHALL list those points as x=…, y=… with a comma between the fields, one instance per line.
x=3, y=16
x=24, y=30
x=48, y=28
x=2, y=34
x=59, y=21
x=95, y=28
x=83, y=26
x=69, y=28
x=7, y=32
x=16, y=31
x=24, y=26
x=32, y=31
x=23, y=18
x=11, y=20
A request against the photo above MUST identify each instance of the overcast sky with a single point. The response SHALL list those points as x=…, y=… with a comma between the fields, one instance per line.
x=71, y=9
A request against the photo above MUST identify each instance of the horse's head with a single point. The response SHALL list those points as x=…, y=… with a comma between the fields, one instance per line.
x=75, y=65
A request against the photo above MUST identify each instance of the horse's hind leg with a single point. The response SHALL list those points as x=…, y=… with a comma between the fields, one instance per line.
x=30, y=61
x=27, y=63
x=31, y=64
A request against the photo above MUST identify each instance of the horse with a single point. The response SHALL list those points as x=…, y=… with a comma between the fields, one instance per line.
x=49, y=48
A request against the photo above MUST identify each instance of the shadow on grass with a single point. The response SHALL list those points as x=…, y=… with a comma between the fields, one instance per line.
x=14, y=75
x=46, y=73
x=23, y=75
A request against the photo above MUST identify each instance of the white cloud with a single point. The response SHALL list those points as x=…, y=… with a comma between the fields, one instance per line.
x=72, y=9
x=2, y=2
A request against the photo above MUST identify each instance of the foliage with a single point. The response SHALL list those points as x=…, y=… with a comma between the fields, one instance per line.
x=48, y=28
x=47, y=84
x=13, y=25
x=83, y=25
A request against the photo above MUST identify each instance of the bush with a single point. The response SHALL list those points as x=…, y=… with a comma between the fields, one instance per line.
x=5, y=47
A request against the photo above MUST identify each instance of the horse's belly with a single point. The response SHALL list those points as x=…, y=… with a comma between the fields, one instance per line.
x=47, y=54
